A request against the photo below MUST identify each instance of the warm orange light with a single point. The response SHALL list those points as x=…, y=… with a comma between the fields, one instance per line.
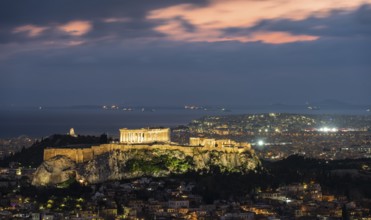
x=76, y=28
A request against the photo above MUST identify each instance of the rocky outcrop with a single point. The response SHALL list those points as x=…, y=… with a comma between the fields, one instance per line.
x=57, y=170
x=116, y=165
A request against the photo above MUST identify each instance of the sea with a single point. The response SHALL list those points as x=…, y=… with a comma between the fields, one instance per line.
x=43, y=122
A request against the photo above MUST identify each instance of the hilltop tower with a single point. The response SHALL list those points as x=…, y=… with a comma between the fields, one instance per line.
x=72, y=133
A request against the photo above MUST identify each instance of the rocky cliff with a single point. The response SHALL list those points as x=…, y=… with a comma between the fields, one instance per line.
x=116, y=165
x=55, y=171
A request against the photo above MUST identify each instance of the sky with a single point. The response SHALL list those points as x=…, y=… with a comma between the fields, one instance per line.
x=177, y=52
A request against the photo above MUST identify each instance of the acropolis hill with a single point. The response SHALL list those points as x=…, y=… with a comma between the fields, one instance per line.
x=142, y=152
x=146, y=139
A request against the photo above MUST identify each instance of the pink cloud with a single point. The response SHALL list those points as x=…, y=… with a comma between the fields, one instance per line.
x=280, y=37
x=31, y=30
x=177, y=32
x=220, y=14
x=76, y=28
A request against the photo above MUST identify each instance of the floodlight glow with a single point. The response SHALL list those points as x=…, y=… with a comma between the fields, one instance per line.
x=327, y=129
x=260, y=143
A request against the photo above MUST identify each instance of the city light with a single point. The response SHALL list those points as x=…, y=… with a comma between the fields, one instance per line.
x=260, y=143
x=328, y=129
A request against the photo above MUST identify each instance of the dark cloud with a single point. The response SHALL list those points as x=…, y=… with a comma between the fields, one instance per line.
x=42, y=12
x=51, y=14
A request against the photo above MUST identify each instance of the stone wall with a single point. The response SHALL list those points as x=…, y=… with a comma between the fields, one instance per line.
x=80, y=155
x=217, y=143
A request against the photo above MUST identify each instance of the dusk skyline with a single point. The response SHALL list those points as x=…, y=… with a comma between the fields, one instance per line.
x=184, y=52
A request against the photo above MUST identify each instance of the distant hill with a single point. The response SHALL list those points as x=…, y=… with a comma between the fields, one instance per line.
x=333, y=103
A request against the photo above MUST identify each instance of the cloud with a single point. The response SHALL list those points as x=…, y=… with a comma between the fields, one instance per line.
x=116, y=20
x=279, y=37
x=211, y=19
x=31, y=30
x=270, y=22
x=76, y=28
x=338, y=24
x=177, y=32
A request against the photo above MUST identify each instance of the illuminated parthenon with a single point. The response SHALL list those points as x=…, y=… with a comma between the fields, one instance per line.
x=144, y=135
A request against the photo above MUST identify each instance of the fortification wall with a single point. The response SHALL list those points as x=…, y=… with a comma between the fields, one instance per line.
x=219, y=143
x=80, y=155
